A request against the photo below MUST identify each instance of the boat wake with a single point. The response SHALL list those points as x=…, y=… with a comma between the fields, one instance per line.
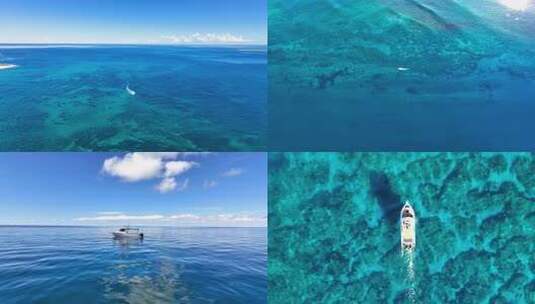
x=408, y=265
x=6, y=66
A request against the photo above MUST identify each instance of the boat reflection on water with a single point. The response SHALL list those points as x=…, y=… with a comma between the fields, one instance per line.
x=136, y=276
x=127, y=242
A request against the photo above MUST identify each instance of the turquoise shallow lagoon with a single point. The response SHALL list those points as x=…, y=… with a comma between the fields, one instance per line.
x=171, y=265
x=334, y=228
x=187, y=98
x=401, y=75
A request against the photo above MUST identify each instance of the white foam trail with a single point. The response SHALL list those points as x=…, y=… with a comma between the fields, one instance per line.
x=131, y=92
x=408, y=259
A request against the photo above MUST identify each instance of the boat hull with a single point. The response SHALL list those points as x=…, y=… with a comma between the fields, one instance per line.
x=408, y=227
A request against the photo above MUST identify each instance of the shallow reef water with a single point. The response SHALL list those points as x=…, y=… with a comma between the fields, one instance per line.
x=334, y=228
x=417, y=75
x=75, y=98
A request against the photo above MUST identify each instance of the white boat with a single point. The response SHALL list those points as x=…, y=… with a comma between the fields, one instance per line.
x=128, y=233
x=7, y=66
x=130, y=91
x=408, y=227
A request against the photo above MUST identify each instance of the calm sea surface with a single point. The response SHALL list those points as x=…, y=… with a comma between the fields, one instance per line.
x=172, y=265
x=186, y=98
x=399, y=75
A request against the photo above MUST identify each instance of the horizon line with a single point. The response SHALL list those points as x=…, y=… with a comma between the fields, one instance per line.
x=132, y=43
x=101, y=226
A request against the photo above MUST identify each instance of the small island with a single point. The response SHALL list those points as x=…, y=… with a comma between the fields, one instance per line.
x=4, y=66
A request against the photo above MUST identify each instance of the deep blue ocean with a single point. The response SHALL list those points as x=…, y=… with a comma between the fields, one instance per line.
x=74, y=98
x=401, y=75
x=171, y=265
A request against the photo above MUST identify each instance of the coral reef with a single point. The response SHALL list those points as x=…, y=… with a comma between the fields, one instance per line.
x=334, y=227
x=405, y=75
x=75, y=99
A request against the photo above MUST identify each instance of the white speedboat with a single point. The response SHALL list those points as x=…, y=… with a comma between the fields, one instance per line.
x=408, y=227
x=4, y=66
x=130, y=91
x=128, y=233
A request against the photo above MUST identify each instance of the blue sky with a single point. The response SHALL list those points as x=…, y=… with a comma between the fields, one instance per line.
x=138, y=21
x=219, y=189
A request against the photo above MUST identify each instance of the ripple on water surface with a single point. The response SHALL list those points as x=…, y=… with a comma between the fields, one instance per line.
x=419, y=75
x=178, y=98
x=84, y=265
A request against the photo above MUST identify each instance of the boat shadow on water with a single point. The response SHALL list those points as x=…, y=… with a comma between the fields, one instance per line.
x=389, y=201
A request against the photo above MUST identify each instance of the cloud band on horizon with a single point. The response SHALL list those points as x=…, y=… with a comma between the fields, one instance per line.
x=187, y=219
x=206, y=38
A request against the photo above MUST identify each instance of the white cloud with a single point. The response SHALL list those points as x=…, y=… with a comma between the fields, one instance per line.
x=186, y=216
x=209, y=184
x=169, y=184
x=121, y=217
x=139, y=166
x=233, y=172
x=134, y=167
x=204, y=38
x=238, y=218
x=166, y=185
x=174, y=168
x=225, y=219
x=186, y=219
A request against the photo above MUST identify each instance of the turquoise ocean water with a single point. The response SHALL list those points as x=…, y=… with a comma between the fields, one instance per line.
x=171, y=265
x=401, y=75
x=187, y=98
x=334, y=233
